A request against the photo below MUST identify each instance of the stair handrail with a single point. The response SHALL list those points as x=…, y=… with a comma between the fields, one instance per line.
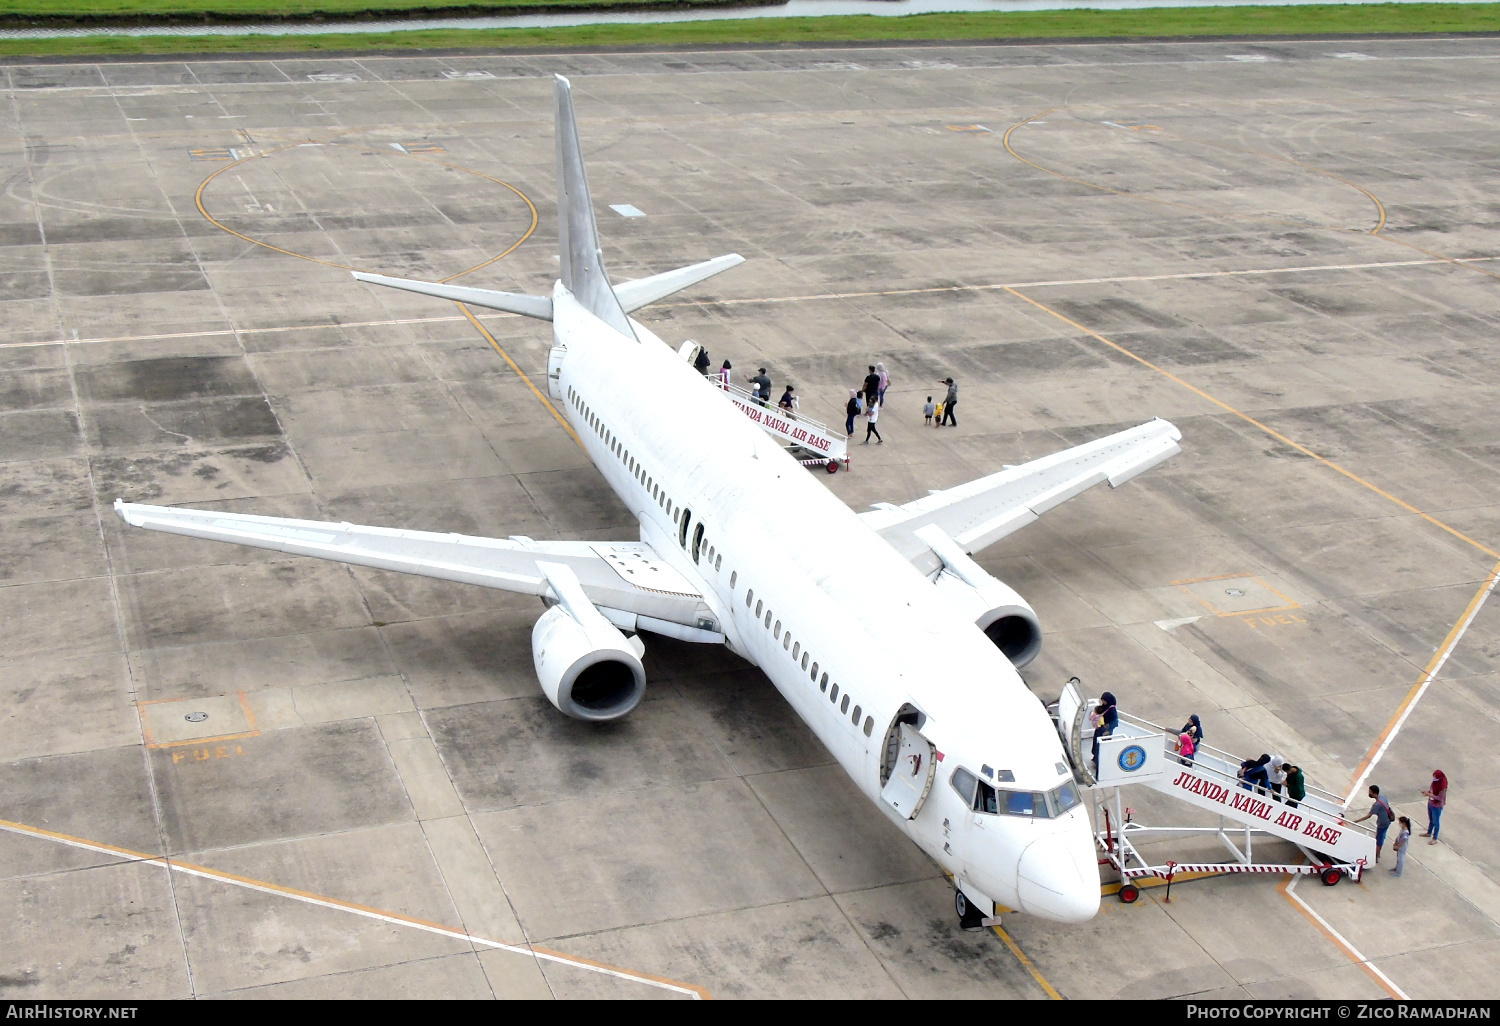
x=790, y=415
x=1324, y=802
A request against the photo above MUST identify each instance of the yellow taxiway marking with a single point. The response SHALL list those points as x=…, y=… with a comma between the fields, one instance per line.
x=1398, y=719
x=515, y=367
x=1221, y=404
x=1288, y=890
x=1030, y=966
x=365, y=911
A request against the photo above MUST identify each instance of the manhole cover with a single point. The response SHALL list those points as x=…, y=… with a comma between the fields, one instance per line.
x=1234, y=592
x=196, y=717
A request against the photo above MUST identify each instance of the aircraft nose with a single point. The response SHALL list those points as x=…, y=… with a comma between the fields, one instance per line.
x=1058, y=879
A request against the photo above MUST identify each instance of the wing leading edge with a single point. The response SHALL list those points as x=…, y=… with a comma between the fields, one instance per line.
x=980, y=513
x=626, y=581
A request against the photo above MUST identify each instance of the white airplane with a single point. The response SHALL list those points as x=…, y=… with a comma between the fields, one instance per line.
x=894, y=646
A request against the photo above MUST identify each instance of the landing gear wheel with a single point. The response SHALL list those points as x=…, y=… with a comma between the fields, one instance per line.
x=969, y=917
x=832, y=466
x=1129, y=893
x=1331, y=876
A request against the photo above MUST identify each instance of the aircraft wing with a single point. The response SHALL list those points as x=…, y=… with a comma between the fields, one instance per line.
x=627, y=581
x=980, y=513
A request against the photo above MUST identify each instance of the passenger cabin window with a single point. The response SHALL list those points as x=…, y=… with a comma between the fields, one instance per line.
x=719, y=565
x=733, y=577
x=823, y=684
x=697, y=540
x=856, y=715
x=869, y=725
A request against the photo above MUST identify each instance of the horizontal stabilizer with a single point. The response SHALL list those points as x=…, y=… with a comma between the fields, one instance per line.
x=635, y=294
x=539, y=307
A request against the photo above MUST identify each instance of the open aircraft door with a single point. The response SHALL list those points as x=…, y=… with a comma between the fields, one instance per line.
x=911, y=777
x=1071, y=714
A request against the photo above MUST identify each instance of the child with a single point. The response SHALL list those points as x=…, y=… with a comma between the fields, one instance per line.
x=1402, y=842
x=928, y=410
x=1186, y=748
x=938, y=412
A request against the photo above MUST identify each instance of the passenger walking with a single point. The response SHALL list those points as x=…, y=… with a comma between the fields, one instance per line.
x=1437, y=798
x=851, y=410
x=1276, y=775
x=872, y=415
x=872, y=387
x=1253, y=773
x=950, y=401
x=1384, y=815
x=1296, y=785
x=1193, y=726
x=1105, y=718
x=702, y=364
x=1399, y=846
x=927, y=411
x=724, y=374
x=762, y=387
x=1186, y=748
x=788, y=401
x=885, y=381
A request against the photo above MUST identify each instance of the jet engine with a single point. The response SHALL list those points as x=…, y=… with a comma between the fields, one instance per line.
x=1005, y=617
x=590, y=671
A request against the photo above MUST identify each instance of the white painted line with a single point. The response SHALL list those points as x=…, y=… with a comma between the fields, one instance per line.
x=1349, y=949
x=339, y=906
x=1122, y=279
x=627, y=210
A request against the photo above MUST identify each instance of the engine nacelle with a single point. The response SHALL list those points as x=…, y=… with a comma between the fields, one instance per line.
x=589, y=671
x=1005, y=617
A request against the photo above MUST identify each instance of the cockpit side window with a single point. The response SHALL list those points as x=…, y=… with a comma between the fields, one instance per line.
x=985, y=800
x=1065, y=797
x=963, y=782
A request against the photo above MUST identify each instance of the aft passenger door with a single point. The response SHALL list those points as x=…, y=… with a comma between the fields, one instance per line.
x=912, y=775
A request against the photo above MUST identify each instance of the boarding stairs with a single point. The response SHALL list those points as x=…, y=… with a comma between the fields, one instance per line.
x=812, y=444
x=1141, y=753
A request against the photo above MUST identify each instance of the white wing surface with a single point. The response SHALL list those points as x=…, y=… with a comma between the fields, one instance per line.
x=627, y=581
x=980, y=513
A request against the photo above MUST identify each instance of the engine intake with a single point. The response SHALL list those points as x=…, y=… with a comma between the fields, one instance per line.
x=1005, y=617
x=590, y=671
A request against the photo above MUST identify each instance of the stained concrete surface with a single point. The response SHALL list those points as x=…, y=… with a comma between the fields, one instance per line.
x=379, y=741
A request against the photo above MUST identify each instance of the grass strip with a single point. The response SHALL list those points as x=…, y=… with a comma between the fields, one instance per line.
x=1162, y=22
x=71, y=13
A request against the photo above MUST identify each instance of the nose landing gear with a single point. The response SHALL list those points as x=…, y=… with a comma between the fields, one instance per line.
x=969, y=917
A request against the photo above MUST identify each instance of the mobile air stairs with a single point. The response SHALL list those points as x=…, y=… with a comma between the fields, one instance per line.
x=810, y=443
x=1144, y=754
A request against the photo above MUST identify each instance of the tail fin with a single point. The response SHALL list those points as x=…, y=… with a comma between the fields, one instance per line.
x=582, y=261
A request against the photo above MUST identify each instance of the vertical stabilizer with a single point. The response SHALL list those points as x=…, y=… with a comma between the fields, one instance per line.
x=578, y=237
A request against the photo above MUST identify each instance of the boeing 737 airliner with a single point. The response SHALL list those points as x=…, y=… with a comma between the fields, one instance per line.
x=894, y=646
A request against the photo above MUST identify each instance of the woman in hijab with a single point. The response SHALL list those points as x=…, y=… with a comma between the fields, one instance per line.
x=1276, y=775
x=885, y=381
x=1105, y=717
x=852, y=410
x=1437, y=798
x=1253, y=772
x=1194, y=729
x=724, y=373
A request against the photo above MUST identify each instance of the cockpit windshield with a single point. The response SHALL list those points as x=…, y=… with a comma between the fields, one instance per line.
x=982, y=797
